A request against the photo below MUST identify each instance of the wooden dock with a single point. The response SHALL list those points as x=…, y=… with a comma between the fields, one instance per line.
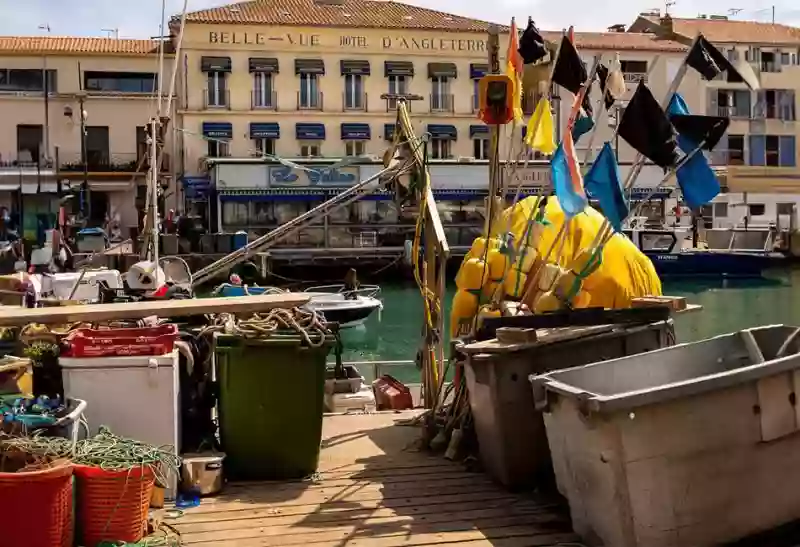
x=375, y=489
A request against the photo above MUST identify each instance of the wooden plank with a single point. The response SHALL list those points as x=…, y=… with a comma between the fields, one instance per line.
x=390, y=483
x=533, y=537
x=91, y=313
x=331, y=496
x=442, y=523
x=426, y=513
x=256, y=511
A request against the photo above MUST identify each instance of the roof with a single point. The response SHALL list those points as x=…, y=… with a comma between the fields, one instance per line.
x=619, y=41
x=727, y=31
x=338, y=13
x=69, y=45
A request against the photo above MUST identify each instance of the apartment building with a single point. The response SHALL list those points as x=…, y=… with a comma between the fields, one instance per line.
x=74, y=112
x=759, y=153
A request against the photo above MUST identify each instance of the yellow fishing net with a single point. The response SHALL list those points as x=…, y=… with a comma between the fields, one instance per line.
x=623, y=272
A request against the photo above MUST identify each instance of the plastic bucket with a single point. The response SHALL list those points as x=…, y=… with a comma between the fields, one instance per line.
x=112, y=505
x=38, y=507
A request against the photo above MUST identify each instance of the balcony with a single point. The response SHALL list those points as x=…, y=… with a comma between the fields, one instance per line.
x=769, y=66
x=100, y=161
x=352, y=102
x=634, y=77
x=214, y=99
x=441, y=103
x=309, y=101
x=264, y=100
x=23, y=163
x=733, y=112
x=391, y=103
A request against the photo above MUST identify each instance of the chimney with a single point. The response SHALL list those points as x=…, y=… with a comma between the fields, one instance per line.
x=666, y=25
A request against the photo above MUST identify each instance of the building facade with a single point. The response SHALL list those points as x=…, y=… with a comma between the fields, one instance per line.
x=50, y=89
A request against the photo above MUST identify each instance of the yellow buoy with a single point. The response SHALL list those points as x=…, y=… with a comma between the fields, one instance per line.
x=547, y=302
x=498, y=263
x=465, y=306
x=472, y=275
x=514, y=283
x=479, y=246
x=526, y=258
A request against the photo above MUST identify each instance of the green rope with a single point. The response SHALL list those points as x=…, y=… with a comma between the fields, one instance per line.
x=591, y=266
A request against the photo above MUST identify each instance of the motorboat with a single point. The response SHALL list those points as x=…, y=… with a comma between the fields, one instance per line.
x=348, y=308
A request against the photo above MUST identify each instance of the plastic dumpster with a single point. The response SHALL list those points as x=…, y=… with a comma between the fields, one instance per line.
x=270, y=405
x=690, y=446
x=514, y=451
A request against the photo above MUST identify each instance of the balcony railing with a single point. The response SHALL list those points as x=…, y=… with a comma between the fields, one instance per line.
x=8, y=163
x=309, y=101
x=733, y=112
x=354, y=102
x=728, y=157
x=441, y=103
x=216, y=98
x=264, y=100
x=769, y=66
x=391, y=104
x=100, y=161
x=634, y=77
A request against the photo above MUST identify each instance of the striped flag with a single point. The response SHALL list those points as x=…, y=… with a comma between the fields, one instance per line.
x=565, y=170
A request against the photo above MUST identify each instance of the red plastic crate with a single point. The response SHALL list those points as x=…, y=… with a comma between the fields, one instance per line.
x=158, y=340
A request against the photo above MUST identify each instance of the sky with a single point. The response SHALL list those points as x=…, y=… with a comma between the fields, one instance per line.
x=141, y=18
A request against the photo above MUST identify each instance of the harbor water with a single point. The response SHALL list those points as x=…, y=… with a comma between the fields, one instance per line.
x=728, y=305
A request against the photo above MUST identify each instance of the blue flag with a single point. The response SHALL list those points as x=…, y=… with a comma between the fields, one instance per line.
x=583, y=124
x=697, y=180
x=565, y=172
x=603, y=183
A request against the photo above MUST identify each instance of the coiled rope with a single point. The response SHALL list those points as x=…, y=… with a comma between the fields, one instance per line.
x=306, y=323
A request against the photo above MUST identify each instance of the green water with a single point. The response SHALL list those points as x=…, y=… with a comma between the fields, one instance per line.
x=727, y=306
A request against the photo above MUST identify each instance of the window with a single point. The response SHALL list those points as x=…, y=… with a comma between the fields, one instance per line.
x=756, y=209
x=141, y=143
x=633, y=71
x=733, y=55
x=480, y=148
x=775, y=104
x=29, y=143
x=731, y=103
x=235, y=213
x=265, y=146
x=720, y=210
x=216, y=92
x=773, y=150
x=218, y=148
x=24, y=79
x=440, y=149
x=354, y=92
x=310, y=97
x=785, y=208
x=263, y=95
x=310, y=150
x=475, y=93
x=785, y=59
x=97, y=148
x=398, y=85
x=354, y=148
x=769, y=62
x=735, y=152
x=441, y=100
x=120, y=82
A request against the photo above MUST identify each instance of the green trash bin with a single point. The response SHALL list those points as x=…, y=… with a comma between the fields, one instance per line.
x=270, y=405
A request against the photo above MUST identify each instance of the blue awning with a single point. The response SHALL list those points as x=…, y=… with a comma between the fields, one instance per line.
x=218, y=130
x=478, y=130
x=356, y=131
x=273, y=194
x=478, y=70
x=388, y=131
x=265, y=130
x=442, y=131
x=310, y=131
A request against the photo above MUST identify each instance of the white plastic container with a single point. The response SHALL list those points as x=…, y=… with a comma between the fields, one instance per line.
x=136, y=397
x=361, y=401
x=60, y=285
x=689, y=446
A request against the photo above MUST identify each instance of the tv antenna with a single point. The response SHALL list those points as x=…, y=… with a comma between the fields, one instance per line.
x=735, y=11
x=668, y=4
x=111, y=32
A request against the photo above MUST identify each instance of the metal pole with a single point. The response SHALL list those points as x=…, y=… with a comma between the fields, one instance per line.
x=85, y=159
x=493, y=47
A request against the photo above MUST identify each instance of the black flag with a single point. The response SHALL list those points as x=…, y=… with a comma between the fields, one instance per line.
x=706, y=129
x=646, y=127
x=531, y=45
x=710, y=62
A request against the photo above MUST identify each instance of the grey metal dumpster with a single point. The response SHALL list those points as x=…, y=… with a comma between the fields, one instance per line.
x=512, y=439
x=690, y=446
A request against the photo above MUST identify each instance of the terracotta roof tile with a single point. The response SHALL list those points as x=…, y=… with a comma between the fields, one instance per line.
x=338, y=13
x=72, y=45
x=619, y=41
x=729, y=31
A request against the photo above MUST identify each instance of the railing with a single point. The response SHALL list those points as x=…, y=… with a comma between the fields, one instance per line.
x=733, y=112
x=266, y=100
x=216, y=98
x=354, y=102
x=391, y=104
x=769, y=66
x=369, y=291
x=441, y=103
x=309, y=101
x=25, y=163
x=104, y=162
x=728, y=157
x=634, y=77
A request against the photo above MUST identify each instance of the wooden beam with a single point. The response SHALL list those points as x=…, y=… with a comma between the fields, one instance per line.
x=91, y=313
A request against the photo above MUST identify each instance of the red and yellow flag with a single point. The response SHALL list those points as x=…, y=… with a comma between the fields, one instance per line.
x=514, y=68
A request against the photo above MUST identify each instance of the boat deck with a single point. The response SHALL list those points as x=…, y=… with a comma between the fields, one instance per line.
x=374, y=488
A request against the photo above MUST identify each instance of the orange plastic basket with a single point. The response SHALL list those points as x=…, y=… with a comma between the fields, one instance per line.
x=112, y=505
x=37, y=511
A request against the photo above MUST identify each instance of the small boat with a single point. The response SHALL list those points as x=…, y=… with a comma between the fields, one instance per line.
x=349, y=308
x=672, y=255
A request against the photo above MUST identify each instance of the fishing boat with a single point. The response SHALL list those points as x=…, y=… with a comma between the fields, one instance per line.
x=348, y=308
x=672, y=254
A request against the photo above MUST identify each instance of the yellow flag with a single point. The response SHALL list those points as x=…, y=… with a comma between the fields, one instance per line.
x=539, y=135
x=514, y=67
